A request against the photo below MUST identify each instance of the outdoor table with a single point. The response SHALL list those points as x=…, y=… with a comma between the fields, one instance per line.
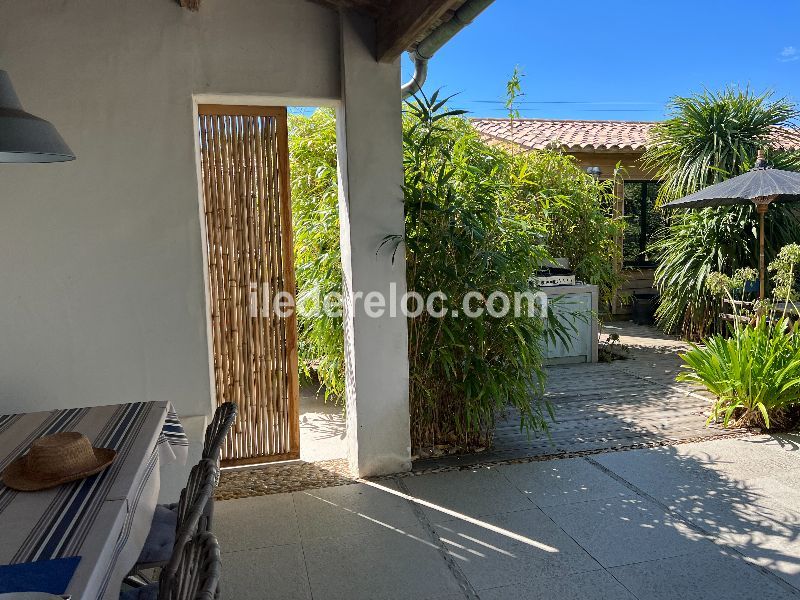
x=103, y=519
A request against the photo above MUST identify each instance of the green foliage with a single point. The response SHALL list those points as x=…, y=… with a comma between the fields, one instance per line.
x=721, y=285
x=698, y=244
x=318, y=263
x=784, y=266
x=575, y=209
x=490, y=218
x=708, y=138
x=478, y=218
x=464, y=234
x=514, y=91
x=755, y=373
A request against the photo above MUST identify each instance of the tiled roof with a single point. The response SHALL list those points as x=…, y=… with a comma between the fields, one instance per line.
x=786, y=139
x=589, y=136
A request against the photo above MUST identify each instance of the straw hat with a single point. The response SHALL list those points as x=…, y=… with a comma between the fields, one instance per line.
x=56, y=459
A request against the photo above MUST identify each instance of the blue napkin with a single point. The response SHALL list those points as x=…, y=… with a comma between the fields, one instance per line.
x=48, y=576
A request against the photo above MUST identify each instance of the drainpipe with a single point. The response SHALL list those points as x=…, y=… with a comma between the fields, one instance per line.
x=438, y=38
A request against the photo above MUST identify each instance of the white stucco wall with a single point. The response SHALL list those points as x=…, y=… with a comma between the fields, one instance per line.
x=101, y=259
x=371, y=207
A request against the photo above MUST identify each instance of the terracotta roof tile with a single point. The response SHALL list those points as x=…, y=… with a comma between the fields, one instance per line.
x=589, y=136
x=786, y=139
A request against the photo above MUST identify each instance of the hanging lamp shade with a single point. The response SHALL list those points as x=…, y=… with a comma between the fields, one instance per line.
x=23, y=137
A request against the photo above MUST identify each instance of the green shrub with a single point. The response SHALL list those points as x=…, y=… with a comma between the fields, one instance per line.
x=785, y=268
x=575, y=210
x=755, y=373
x=318, y=261
x=465, y=232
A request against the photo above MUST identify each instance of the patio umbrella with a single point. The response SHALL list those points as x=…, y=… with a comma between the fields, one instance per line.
x=761, y=185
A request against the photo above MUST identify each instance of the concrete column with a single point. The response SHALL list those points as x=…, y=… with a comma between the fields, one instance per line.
x=370, y=208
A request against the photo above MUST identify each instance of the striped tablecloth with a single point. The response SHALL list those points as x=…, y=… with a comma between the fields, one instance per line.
x=105, y=518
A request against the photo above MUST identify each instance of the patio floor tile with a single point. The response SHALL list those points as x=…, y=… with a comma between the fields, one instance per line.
x=626, y=530
x=474, y=493
x=772, y=544
x=556, y=482
x=382, y=564
x=780, y=488
x=742, y=458
x=256, y=522
x=593, y=585
x=353, y=509
x=273, y=572
x=512, y=547
x=707, y=576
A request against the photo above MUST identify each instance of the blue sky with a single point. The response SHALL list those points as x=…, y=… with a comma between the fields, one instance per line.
x=617, y=60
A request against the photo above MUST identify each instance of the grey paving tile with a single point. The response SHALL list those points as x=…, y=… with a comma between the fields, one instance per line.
x=353, y=509
x=741, y=458
x=705, y=576
x=666, y=475
x=592, y=585
x=778, y=488
x=383, y=564
x=265, y=573
x=256, y=522
x=770, y=543
x=625, y=530
x=474, y=493
x=739, y=513
x=506, y=549
x=555, y=482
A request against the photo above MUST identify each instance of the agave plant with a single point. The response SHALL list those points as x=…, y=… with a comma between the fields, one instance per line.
x=755, y=374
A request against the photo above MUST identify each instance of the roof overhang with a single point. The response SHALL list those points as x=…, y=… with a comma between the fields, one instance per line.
x=401, y=24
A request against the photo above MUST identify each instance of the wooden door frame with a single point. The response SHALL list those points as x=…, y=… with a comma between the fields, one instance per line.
x=256, y=105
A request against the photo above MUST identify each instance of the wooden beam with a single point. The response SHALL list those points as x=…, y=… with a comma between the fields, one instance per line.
x=404, y=22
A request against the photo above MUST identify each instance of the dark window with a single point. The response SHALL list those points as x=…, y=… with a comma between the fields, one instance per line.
x=642, y=221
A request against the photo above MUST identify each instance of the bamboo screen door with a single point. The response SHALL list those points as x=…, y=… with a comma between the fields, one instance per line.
x=245, y=176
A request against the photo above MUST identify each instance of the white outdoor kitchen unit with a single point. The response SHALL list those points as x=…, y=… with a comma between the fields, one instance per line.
x=576, y=304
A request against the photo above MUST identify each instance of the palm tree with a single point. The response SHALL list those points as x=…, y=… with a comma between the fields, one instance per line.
x=710, y=137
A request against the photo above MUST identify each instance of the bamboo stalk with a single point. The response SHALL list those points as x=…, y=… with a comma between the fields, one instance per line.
x=264, y=313
x=274, y=390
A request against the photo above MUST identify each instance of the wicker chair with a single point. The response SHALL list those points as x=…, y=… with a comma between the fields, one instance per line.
x=216, y=431
x=192, y=513
x=193, y=572
x=167, y=518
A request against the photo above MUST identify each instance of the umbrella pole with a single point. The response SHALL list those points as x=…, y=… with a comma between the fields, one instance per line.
x=762, y=204
x=761, y=208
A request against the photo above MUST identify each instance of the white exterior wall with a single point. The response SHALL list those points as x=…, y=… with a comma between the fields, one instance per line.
x=101, y=259
x=371, y=207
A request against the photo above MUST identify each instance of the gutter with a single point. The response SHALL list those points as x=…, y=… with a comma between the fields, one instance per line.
x=436, y=39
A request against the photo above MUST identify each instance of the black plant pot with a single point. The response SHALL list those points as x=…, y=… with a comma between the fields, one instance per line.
x=644, y=308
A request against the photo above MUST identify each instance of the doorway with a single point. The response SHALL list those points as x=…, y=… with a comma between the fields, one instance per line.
x=251, y=282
